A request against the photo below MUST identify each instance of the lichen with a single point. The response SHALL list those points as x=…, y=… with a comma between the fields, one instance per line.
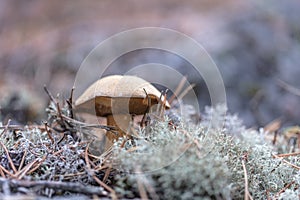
x=205, y=161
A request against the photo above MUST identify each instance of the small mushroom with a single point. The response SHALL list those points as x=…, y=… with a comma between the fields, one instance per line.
x=119, y=98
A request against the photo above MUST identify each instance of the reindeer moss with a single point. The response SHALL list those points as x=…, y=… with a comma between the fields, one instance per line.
x=211, y=165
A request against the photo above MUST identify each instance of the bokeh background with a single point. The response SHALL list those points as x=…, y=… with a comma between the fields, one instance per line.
x=254, y=43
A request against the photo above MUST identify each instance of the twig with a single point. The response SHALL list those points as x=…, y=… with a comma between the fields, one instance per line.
x=9, y=158
x=62, y=121
x=86, y=158
x=178, y=89
x=85, y=125
x=195, y=141
x=147, y=110
x=22, y=173
x=273, y=126
x=132, y=149
x=67, y=186
x=288, y=87
x=11, y=127
x=107, y=173
x=38, y=165
x=66, y=176
x=49, y=133
x=163, y=106
x=57, y=152
x=62, y=138
x=57, y=106
x=5, y=127
x=288, y=154
x=275, y=137
x=102, y=184
x=2, y=173
x=151, y=191
x=186, y=90
x=49, y=94
x=142, y=190
x=268, y=195
x=70, y=102
x=283, y=189
x=20, y=127
x=26, y=169
x=134, y=132
x=247, y=194
x=144, y=186
x=159, y=105
x=124, y=142
x=23, y=160
x=112, y=192
x=298, y=140
x=99, y=167
x=6, y=171
x=287, y=162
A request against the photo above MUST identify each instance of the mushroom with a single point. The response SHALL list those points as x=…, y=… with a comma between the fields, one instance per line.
x=119, y=98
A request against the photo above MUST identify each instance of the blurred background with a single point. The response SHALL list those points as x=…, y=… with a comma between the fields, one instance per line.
x=255, y=44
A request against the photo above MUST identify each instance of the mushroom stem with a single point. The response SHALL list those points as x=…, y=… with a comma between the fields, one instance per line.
x=121, y=122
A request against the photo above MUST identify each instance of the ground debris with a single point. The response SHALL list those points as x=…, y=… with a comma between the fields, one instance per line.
x=49, y=160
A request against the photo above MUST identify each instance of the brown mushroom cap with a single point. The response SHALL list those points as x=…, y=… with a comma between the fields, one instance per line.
x=117, y=91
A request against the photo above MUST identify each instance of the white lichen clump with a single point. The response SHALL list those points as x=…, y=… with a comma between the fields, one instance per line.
x=204, y=161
